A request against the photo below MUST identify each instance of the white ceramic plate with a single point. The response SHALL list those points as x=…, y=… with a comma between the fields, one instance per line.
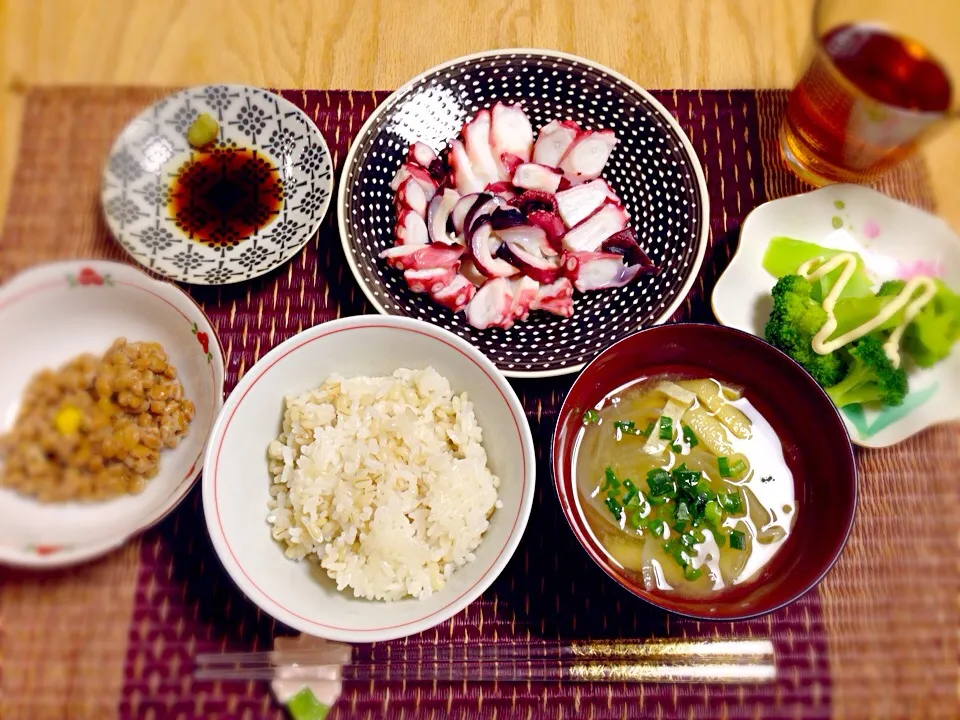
x=139, y=174
x=896, y=240
x=52, y=313
x=236, y=482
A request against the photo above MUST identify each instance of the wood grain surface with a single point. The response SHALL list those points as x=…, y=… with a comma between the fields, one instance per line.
x=377, y=44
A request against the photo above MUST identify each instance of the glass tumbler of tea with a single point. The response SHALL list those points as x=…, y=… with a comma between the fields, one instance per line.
x=878, y=82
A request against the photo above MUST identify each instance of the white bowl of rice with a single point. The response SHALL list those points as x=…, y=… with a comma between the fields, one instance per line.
x=369, y=478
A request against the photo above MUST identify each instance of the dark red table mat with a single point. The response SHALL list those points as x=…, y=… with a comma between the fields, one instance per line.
x=182, y=602
x=538, y=595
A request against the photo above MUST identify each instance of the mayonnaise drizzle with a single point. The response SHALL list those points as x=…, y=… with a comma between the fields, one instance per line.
x=816, y=268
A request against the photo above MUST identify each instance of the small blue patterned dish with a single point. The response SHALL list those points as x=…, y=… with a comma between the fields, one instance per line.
x=231, y=211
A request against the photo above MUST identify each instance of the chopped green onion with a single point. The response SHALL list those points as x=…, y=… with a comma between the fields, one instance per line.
x=730, y=502
x=666, y=428
x=613, y=506
x=712, y=513
x=658, y=499
x=768, y=478
x=677, y=552
x=690, y=437
x=657, y=527
x=738, y=540
x=737, y=468
x=720, y=539
x=691, y=573
x=649, y=429
x=626, y=427
x=661, y=483
x=677, y=448
x=658, y=475
x=699, y=505
x=635, y=520
x=688, y=539
x=590, y=417
x=687, y=479
x=632, y=492
x=723, y=465
x=683, y=512
x=610, y=481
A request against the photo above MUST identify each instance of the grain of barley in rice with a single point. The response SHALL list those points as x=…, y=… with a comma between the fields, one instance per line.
x=383, y=481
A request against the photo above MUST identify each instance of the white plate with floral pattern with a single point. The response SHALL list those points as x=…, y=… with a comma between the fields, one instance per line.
x=269, y=170
x=61, y=310
x=896, y=240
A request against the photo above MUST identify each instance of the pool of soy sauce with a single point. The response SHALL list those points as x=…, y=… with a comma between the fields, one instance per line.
x=225, y=195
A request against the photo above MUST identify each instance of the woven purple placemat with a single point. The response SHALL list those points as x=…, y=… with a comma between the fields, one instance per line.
x=844, y=649
x=185, y=603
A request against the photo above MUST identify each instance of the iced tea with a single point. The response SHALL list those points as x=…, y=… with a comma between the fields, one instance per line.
x=866, y=99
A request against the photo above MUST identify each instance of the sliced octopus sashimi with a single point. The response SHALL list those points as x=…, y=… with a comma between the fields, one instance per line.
x=509, y=164
x=598, y=271
x=532, y=200
x=456, y=295
x=411, y=229
x=556, y=298
x=551, y=224
x=410, y=195
x=418, y=173
x=459, y=213
x=469, y=270
x=421, y=154
x=510, y=132
x=499, y=224
x=476, y=140
x=423, y=257
x=492, y=305
x=483, y=246
x=580, y=201
x=531, y=176
x=464, y=177
x=553, y=141
x=481, y=210
x=430, y=280
x=525, y=290
x=530, y=237
x=543, y=270
x=587, y=155
x=438, y=214
x=589, y=235
x=625, y=243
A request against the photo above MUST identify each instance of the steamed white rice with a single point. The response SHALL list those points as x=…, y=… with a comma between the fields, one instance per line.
x=383, y=481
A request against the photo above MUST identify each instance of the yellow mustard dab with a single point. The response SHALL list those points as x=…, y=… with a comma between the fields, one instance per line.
x=67, y=420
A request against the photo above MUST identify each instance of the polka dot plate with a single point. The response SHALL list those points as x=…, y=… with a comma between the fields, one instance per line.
x=240, y=207
x=653, y=169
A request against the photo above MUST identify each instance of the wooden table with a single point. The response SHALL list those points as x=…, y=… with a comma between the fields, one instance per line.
x=376, y=44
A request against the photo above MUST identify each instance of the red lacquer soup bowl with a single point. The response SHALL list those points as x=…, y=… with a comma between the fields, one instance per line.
x=816, y=448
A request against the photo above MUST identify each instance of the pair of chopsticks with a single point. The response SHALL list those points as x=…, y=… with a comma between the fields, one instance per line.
x=654, y=661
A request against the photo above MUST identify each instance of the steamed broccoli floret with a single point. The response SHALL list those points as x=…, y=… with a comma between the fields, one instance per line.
x=872, y=377
x=794, y=320
x=891, y=288
x=931, y=335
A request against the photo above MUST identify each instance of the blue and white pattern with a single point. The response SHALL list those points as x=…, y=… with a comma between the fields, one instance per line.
x=136, y=182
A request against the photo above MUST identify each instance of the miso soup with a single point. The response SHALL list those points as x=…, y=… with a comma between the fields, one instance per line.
x=684, y=484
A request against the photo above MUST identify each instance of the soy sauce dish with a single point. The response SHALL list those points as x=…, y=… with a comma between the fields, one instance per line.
x=705, y=471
